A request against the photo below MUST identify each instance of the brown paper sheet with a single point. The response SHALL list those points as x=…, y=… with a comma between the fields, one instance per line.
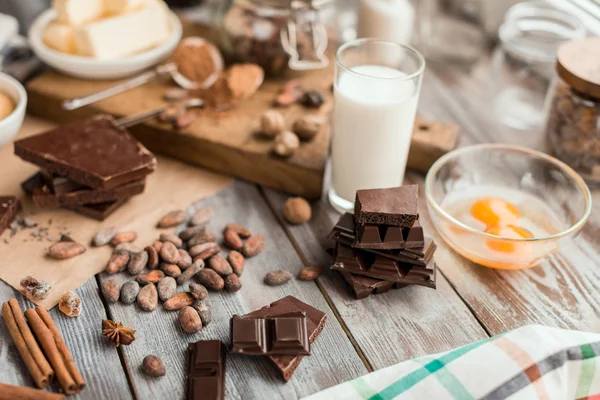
x=174, y=185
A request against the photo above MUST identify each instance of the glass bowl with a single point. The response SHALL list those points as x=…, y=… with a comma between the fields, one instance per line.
x=550, y=199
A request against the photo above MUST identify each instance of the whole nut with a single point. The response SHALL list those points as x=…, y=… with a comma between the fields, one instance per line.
x=278, y=277
x=185, y=260
x=104, y=236
x=190, y=320
x=153, y=366
x=286, y=143
x=123, y=237
x=272, y=123
x=65, y=250
x=244, y=233
x=198, y=291
x=202, y=238
x=210, y=279
x=130, y=247
x=148, y=297
x=157, y=245
x=129, y=292
x=111, y=290
x=253, y=246
x=153, y=259
x=167, y=287
x=232, y=240
x=169, y=253
x=170, y=237
x=137, y=262
x=232, y=283
x=308, y=126
x=190, y=272
x=204, y=251
x=190, y=232
x=117, y=261
x=220, y=265
x=171, y=219
x=170, y=270
x=151, y=277
x=309, y=273
x=178, y=301
x=296, y=210
x=237, y=262
x=202, y=216
x=312, y=99
x=203, y=309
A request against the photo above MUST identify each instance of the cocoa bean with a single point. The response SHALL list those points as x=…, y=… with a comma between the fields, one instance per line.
x=171, y=219
x=167, y=287
x=111, y=290
x=151, y=277
x=190, y=271
x=210, y=279
x=244, y=233
x=171, y=114
x=178, y=301
x=205, y=250
x=278, y=277
x=170, y=270
x=185, y=260
x=232, y=283
x=148, y=297
x=130, y=247
x=185, y=120
x=171, y=237
x=253, y=246
x=190, y=232
x=104, y=236
x=201, y=238
x=198, y=291
x=309, y=273
x=153, y=259
x=202, y=216
x=169, y=253
x=137, y=262
x=129, y=292
x=157, y=245
x=190, y=320
x=232, y=240
x=220, y=265
x=153, y=366
x=237, y=262
x=64, y=250
x=203, y=309
x=174, y=94
x=123, y=237
x=117, y=261
x=296, y=210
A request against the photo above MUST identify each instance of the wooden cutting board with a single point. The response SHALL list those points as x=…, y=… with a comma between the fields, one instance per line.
x=226, y=142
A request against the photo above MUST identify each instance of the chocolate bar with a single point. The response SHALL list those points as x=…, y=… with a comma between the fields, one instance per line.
x=315, y=321
x=95, y=152
x=206, y=370
x=393, y=206
x=283, y=334
x=98, y=211
x=60, y=184
x=389, y=237
x=9, y=207
x=363, y=286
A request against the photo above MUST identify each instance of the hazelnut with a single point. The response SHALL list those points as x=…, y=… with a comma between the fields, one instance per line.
x=272, y=123
x=308, y=126
x=296, y=210
x=286, y=143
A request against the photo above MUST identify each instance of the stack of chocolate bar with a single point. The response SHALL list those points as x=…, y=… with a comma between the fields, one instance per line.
x=382, y=246
x=91, y=166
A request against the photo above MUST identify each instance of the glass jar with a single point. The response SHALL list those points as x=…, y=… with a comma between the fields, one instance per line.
x=573, y=117
x=278, y=35
x=523, y=63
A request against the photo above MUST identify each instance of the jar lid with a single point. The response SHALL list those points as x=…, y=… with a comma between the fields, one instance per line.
x=578, y=64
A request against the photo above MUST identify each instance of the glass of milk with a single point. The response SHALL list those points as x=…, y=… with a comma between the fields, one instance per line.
x=377, y=85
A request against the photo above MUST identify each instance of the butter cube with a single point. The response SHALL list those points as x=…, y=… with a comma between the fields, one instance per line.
x=59, y=37
x=123, y=6
x=124, y=35
x=78, y=12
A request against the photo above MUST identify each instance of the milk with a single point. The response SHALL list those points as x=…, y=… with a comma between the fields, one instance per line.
x=373, y=124
x=390, y=20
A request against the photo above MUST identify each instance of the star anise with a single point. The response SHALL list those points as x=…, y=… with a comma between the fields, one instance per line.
x=119, y=334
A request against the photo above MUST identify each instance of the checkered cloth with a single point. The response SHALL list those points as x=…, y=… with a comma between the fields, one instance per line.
x=532, y=362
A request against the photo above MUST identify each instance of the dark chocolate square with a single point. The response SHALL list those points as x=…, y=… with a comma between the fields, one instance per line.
x=248, y=335
x=393, y=206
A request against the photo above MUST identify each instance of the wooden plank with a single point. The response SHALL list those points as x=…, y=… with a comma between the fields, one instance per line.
x=334, y=360
x=97, y=360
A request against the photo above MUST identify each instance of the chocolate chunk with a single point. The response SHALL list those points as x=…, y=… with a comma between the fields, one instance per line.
x=94, y=152
x=363, y=286
x=315, y=321
x=9, y=207
x=285, y=334
x=393, y=206
x=98, y=211
x=206, y=370
x=414, y=237
x=60, y=184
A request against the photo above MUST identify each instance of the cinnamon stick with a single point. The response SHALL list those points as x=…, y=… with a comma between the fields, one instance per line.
x=10, y=392
x=47, y=342
x=30, y=351
x=62, y=348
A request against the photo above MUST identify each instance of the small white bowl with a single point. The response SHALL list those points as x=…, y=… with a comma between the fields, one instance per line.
x=9, y=126
x=90, y=68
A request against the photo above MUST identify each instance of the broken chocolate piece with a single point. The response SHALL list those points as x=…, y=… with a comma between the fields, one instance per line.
x=60, y=184
x=393, y=206
x=206, y=370
x=9, y=207
x=98, y=211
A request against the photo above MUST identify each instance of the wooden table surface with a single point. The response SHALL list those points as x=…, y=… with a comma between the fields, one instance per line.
x=470, y=303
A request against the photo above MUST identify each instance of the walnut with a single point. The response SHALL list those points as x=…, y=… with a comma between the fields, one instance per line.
x=286, y=143
x=119, y=334
x=308, y=126
x=272, y=123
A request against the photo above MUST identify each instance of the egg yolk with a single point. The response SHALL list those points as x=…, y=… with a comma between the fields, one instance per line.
x=509, y=231
x=493, y=212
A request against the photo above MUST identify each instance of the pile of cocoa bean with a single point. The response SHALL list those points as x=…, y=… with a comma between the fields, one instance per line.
x=192, y=257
